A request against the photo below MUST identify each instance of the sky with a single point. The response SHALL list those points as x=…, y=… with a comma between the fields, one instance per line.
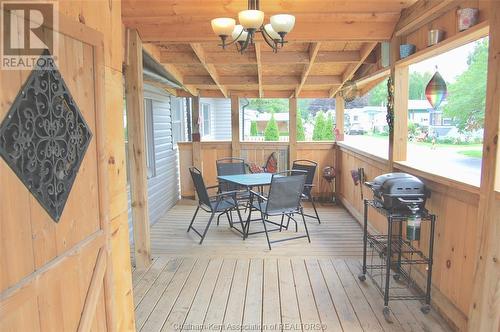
x=450, y=64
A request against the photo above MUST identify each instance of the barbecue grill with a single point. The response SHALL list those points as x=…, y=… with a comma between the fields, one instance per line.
x=399, y=192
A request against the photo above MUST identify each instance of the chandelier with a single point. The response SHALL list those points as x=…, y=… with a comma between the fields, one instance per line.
x=252, y=22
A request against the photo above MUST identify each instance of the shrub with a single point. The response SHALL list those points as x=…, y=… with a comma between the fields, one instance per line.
x=253, y=129
x=271, y=133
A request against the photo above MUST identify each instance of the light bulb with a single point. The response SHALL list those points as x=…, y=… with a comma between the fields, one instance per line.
x=270, y=31
x=251, y=18
x=236, y=33
x=223, y=26
x=282, y=23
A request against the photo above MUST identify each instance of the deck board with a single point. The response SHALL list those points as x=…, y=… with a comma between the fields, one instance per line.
x=229, y=284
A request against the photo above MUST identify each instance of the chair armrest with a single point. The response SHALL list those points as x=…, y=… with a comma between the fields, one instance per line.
x=228, y=193
x=258, y=195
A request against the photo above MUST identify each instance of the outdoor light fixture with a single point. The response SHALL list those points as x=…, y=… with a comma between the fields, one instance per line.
x=252, y=22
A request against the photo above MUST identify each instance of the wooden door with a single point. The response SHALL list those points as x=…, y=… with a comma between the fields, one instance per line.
x=55, y=276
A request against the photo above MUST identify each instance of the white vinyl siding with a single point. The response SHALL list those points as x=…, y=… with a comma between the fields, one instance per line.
x=220, y=110
x=163, y=188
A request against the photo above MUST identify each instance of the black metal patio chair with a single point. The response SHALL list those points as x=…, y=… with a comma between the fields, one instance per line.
x=222, y=203
x=232, y=166
x=310, y=167
x=283, y=200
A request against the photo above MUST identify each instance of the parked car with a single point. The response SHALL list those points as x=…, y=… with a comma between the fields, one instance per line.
x=356, y=130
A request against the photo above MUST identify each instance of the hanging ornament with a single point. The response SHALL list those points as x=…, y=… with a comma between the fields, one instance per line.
x=390, y=105
x=436, y=90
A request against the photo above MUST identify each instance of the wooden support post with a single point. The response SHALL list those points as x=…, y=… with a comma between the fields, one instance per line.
x=400, y=143
x=485, y=305
x=235, y=126
x=292, y=130
x=398, y=138
x=339, y=117
x=195, y=133
x=137, y=150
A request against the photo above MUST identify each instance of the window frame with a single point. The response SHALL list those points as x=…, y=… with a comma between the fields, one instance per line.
x=204, y=118
x=149, y=137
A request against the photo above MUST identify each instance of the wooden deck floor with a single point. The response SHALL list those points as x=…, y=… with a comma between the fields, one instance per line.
x=229, y=284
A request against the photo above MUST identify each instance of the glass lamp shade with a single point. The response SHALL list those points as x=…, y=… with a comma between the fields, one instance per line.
x=251, y=19
x=282, y=22
x=223, y=26
x=236, y=33
x=270, y=31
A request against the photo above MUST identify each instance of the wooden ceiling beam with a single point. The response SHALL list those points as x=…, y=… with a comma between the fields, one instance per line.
x=215, y=8
x=255, y=93
x=271, y=80
x=210, y=68
x=259, y=68
x=303, y=32
x=134, y=19
x=365, y=51
x=313, y=52
x=267, y=58
x=155, y=52
x=421, y=13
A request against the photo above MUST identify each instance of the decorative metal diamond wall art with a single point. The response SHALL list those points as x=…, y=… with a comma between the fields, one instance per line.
x=44, y=138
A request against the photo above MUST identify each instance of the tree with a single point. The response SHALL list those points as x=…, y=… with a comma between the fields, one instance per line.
x=467, y=95
x=378, y=95
x=319, y=127
x=328, y=130
x=301, y=136
x=253, y=128
x=269, y=105
x=271, y=133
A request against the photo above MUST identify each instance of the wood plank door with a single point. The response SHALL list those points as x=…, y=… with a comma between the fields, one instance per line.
x=56, y=276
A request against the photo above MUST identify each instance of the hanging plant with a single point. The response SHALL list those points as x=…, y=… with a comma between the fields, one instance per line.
x=390, y=105
x=436, y=90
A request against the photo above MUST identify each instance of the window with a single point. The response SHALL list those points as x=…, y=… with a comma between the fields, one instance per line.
x=206, y=120
x=365, y=124
x=178, y=135
x=149, y=137
x=447, y=139
x=264, y=119
x=316, y=119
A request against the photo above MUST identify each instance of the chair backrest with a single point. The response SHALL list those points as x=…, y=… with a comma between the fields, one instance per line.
x=230, y=166
x=285, y=191
x=199, y=186
x=308, y=166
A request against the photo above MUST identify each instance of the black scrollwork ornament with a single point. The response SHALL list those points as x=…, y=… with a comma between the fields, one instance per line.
x=390, y=105
x=44, y=138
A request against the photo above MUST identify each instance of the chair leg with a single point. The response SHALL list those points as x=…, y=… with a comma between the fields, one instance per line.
x=305, y=224
x=206, y=228
x=192, y=220
x=282, y=217
x=229, y=218
x=265, y=230
x=314, y=207
x=241, y=221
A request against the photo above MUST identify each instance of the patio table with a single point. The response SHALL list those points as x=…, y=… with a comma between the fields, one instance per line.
x=249, y=181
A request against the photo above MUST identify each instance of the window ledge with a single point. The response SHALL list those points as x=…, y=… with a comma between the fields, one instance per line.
x=356, y=150
x=449, y=180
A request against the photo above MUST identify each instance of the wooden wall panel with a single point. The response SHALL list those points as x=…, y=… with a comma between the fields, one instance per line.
x=446, y=22
x=324, y=155
x=456, y=208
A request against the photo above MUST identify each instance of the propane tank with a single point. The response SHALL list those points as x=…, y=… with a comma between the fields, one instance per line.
x=413, y=227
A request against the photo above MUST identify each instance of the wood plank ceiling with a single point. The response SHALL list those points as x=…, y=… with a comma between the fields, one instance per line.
x=330, y=42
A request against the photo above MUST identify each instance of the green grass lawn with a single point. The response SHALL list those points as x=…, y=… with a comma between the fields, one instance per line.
x=472, y=153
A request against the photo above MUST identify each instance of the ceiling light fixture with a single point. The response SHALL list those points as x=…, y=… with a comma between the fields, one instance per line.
x=252, y=22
